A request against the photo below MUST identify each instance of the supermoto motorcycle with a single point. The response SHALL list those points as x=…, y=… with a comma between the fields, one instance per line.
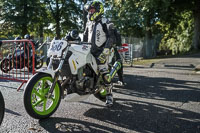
x=72, y=69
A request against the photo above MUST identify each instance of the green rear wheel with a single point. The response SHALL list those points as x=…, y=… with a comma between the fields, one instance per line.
x=36, y=101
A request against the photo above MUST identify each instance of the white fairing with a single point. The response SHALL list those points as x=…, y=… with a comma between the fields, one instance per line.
x=56, y=48
x=80, y=57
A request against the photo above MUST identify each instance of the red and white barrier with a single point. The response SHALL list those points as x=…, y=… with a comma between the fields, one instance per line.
x=17, y=60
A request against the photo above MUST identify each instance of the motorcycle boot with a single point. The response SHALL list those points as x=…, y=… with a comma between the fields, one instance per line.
x=108, y=77
x=109, y=100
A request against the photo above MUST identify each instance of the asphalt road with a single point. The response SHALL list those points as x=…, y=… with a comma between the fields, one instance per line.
x=161, y=97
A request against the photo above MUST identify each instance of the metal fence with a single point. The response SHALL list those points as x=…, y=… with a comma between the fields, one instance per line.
x=141, y=48
x=17, y=60
x=135, y=49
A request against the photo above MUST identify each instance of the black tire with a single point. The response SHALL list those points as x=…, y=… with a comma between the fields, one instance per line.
x=39, y=64
x=2, y=108
x=35, y=96
x=29, y=65
x=5, y=65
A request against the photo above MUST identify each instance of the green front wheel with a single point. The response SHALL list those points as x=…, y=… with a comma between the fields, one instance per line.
x=36, y=101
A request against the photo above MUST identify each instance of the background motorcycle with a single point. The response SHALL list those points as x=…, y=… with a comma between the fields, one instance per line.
x=19, y=59
x=72, y=69
x=14, y=60
x=38, y=56
x=2, y=108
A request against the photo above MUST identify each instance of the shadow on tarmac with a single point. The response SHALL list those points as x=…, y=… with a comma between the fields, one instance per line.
x=129, y=114
x=160, y=88
x=143, y=116
x=137, y=115
x=146, y=117
x=60, y=125
x=12, y=112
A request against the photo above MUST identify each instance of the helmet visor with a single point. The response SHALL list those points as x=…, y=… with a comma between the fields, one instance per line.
x=92, y=10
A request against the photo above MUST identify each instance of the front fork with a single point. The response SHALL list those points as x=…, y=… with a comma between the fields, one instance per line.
x=56, y=76
x=55, y=79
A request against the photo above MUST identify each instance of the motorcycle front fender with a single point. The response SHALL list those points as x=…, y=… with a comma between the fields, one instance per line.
x=48, y=71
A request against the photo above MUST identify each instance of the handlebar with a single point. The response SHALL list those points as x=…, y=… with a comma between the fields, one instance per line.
x=79, y=43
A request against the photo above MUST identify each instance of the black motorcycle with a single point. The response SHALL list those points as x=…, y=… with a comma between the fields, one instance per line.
x=2, y=108
x=20, y=58
x=15, y=60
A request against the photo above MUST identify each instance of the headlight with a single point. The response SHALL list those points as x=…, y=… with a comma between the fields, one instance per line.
x=39, y=52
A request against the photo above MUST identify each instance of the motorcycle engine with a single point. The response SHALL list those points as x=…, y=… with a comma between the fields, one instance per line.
x=85, y=82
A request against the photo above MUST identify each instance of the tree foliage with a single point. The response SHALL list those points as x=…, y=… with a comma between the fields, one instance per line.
x=38, y=17
x=18, y=15
x=65, y=15
x=178, y=40
x=176, y=21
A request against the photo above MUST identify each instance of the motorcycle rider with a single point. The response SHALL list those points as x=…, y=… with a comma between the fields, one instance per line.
x=73, y=36
x=28, y=37
x=18, y=38
x=99, y=32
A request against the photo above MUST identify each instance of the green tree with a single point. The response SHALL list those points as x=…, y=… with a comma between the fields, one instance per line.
x=196, y=13
x=185, y=15
x=39, y=17
x=40, y=22
x=18, y=15
x=138, y=18
x=65, y=15
x=147, y=18
x=179, y=39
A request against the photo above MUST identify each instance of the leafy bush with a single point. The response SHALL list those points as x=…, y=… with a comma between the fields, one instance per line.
x=179, y=40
